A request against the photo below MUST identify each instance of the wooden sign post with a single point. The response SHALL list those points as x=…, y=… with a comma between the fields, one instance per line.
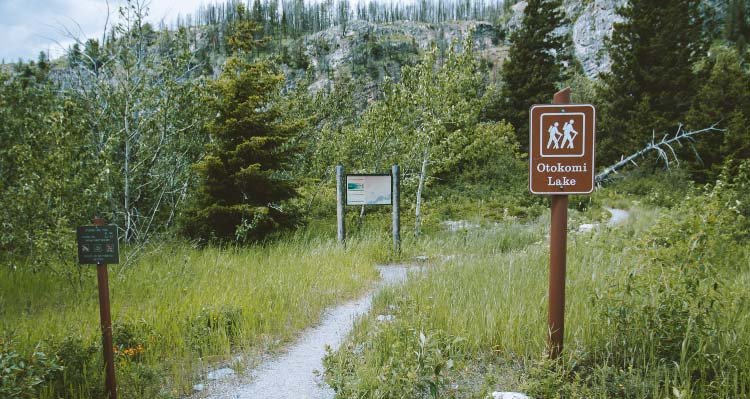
x=561, y=162
x=340, y=208
x=396, y=212
x=98, y=245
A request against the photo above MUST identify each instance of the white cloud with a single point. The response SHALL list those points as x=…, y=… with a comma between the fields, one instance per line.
x=30, y=26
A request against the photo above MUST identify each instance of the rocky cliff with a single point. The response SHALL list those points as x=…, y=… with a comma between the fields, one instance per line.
x=591, y=23
x=377, y=50
x=374, y=51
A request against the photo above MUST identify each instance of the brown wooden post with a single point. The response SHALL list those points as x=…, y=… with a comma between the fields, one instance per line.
x=106, y=325
x=557, y=254
x=340, y=204
x=396, y=200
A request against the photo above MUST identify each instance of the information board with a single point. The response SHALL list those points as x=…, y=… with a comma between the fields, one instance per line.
x=97, y=245
x=368, y=190
x=561, y=149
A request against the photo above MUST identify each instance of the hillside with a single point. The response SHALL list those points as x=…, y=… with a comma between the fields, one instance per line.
x=374, y=51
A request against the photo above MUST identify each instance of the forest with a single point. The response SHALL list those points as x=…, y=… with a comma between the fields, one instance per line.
x=211, y=142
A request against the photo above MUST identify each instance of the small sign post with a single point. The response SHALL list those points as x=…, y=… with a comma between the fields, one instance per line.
x=561, y=162
x=97, y=244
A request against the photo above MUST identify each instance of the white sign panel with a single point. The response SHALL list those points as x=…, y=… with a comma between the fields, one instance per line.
x=368, y=189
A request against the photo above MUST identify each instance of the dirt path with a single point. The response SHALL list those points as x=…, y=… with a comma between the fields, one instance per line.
x=293, y=374
x=618, y=216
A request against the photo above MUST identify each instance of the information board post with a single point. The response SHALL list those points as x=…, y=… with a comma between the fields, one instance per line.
x=340, y=208
x=396, y=198
x=557, y=259
x=106, y=324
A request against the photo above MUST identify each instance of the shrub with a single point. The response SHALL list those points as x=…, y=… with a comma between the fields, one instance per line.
x=23, y=377
x=659, y=188
x=81, y=365
x=408, y=364
x=673, y=310
x=131, y=339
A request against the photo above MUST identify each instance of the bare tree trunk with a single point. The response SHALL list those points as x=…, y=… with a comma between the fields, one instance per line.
x=420, y=188
x=126, y=175
x=361, y=215
x=325, y=180
x=660, y=147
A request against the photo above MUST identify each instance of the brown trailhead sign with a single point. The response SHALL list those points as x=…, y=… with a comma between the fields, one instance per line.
x=561, y=149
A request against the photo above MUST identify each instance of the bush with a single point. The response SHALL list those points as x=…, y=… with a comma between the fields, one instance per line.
x=574, y=378
x=24, y=377
x=138, y=380
x=81, y=366
x=408, y=364
x=676, y=311
x=132, y=339
x=658, y=188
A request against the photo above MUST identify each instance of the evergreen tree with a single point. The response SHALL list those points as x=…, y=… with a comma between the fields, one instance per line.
x=723, y=98
x=651, y=84
x=74, y=56
x=737, y=25
x=242, y=183
x=535, y=64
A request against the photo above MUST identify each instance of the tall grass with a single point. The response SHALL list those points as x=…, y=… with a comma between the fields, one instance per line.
x=488, y=304
x=179, y=309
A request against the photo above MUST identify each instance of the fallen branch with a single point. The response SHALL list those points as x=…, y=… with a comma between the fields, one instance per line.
x=661, y=147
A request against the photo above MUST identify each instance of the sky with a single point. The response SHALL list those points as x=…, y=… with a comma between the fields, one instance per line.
x=30, y=26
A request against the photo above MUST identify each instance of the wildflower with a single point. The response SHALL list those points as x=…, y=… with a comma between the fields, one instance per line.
x=133, y=352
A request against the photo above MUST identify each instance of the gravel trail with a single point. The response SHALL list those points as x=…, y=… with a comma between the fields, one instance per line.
x=293, y=374
x=618, y=216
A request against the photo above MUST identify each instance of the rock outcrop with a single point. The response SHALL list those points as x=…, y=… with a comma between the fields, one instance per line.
x=591, y=27
x=591, y=24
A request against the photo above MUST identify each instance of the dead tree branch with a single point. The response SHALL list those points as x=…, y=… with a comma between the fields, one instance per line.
x=660, y=147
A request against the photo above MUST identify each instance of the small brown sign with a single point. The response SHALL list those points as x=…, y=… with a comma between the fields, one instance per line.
x=561, y=149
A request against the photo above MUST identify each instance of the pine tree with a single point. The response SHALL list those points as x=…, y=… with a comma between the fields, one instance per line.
x=535, y=64
x=651, y=84
x=737, y=25
x=242, y=184
x=723, y=98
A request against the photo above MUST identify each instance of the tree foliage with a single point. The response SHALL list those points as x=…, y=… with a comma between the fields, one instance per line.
x=535, y=66
x=243, y=182
x=111, y=135
x=428, y=123
x=737, y=23
x=651, y=84
x=141, y=112
x=723, y=98
x=49, y=179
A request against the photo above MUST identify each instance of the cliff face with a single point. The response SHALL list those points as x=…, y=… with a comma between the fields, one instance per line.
x=591, y=24
x=373, y=51
x=379, y=50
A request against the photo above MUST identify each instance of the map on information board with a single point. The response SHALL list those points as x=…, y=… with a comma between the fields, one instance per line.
x=368, y=189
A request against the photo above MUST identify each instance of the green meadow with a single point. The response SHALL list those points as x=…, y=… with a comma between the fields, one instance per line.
x=179, y=310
